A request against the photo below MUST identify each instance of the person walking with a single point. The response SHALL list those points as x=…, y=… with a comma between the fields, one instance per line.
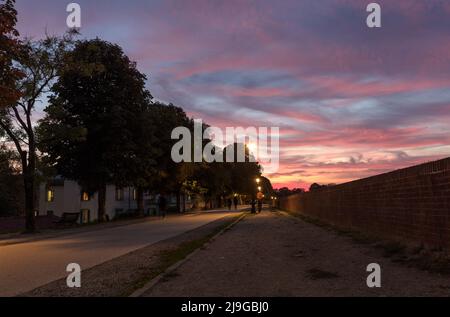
x=260, y=198
x=162, y=205
x=229, y=203
x=236, y=202
x=260, y=203
x=253, y=202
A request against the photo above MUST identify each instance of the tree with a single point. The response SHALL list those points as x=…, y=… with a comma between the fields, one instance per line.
x=39, y=65
x=10, y=50
x=143, y=171
x=223, y=179
x=171, y=176
x=216, y=179
x=10, y=201
x=87, y=132
x=243, y=174
x=316, y=187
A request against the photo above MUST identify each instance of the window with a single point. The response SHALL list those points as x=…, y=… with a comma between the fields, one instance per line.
x=50, y=195
x=85, y=196
x=134, y=194
x=119, y=194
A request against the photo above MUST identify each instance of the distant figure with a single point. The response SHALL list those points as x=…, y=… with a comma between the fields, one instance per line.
x=162, y=204
x=235, y=201
x=229, y=203
x=253, y=206
x=260, y=202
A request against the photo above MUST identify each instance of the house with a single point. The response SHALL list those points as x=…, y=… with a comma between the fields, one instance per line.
x=60, y=195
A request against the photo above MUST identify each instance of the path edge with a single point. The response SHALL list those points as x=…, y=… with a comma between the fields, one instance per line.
x=149, y=285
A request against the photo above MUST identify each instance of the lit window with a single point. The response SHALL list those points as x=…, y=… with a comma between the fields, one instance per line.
x=119, y=194
x=85, y=196
x=50, y=195
x=134, y=194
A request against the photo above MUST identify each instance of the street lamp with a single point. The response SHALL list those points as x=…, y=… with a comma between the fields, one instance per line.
x=259, y=188
x=258, y=181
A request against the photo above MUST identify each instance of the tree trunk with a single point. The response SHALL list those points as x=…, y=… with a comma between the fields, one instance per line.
x=28, y=170
x=140, y=201
x=102, y=204
x=30, y=221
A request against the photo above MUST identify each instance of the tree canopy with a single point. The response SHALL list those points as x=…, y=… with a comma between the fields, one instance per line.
x=88, y=132
x=10, y=50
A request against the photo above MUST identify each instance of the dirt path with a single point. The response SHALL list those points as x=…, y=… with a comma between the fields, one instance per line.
x=273, y=254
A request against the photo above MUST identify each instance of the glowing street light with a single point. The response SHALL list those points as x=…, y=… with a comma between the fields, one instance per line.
x=258, y=180
x=259, y=188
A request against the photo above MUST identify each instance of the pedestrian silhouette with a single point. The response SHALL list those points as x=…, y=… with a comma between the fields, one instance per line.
x=162, y=204
x=260, y=202
x=235, y=201
x=229, y=203
x=253, y=205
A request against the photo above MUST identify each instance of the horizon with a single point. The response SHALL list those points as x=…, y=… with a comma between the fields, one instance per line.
x=351, y=102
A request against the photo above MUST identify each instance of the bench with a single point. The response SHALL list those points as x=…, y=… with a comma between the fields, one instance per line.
x=70, y=218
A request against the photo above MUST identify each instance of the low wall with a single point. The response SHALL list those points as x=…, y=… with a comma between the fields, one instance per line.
x=411, y=205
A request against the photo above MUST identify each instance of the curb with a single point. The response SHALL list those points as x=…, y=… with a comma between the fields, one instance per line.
x=139, y=292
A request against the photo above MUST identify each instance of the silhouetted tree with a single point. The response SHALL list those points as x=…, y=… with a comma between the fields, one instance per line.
x=88, y=132
x=284, y=191
x=172, y=176
x=10, y=50
x=10, y=200
x=39, y=63
x=315, y=187
x=243, y=174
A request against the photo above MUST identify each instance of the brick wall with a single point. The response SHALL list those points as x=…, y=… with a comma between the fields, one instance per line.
x=411, y=205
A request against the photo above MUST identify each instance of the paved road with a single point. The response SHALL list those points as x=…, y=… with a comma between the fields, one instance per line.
x=26, y=266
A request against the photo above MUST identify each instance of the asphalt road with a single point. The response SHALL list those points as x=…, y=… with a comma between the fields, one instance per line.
x=26, y=266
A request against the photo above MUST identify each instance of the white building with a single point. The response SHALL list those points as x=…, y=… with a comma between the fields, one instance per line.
x=59, y=196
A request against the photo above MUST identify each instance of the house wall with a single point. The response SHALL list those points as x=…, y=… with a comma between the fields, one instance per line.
x=67, y=198
x=411, y=205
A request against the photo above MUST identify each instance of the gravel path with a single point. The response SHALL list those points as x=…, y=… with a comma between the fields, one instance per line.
x=273, y=254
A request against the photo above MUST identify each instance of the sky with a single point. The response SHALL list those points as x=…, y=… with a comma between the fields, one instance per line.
x=350, y=101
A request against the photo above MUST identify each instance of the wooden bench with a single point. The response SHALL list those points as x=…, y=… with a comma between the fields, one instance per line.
x=69, y=218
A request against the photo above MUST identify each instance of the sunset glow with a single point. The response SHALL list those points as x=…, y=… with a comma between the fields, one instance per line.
x=350, y=101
